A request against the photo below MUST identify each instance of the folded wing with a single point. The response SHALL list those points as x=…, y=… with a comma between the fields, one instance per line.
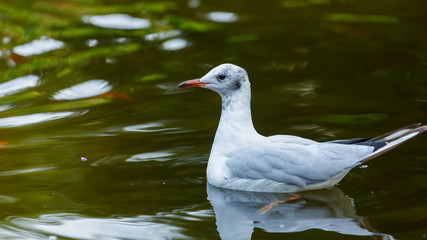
x=295, y=164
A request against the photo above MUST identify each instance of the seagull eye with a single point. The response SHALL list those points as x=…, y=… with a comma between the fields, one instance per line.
x=221, y=76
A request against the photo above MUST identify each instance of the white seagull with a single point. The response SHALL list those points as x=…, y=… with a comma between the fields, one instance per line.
x=242, y=159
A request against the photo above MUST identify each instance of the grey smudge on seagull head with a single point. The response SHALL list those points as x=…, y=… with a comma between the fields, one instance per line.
x=226, y=78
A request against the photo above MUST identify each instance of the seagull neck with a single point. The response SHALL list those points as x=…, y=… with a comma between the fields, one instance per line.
x=236, y=119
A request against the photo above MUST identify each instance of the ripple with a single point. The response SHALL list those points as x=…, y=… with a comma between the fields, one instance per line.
x=39, y=46
x=65, y=225
x=18, y=84
x=18, y=121
x=162, y=35
x=5, y=107
x=117, y=21
x=202, y=213
x=9, y=232
x=306, y=89
x=190, y=214
x=109, y=160
x=7, y=199
x=86, y=89
x=148, y=127
x=222, y=17
x=314, y=128
x=175, y=44
x=24, y=171
x=150, y=156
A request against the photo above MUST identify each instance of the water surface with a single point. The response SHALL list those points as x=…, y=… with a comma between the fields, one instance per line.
x=96, y=142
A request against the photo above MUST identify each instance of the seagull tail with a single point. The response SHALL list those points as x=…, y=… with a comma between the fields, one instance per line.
x=394, y=138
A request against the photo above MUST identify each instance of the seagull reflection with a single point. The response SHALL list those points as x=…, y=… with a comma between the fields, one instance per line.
x=329, y=210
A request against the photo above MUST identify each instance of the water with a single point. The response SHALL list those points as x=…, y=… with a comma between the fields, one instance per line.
x=96, y=142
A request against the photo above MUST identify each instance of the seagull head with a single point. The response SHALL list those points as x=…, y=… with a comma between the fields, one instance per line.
x=224, y=79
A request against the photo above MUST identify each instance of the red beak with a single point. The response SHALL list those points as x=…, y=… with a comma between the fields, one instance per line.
x=192, y=83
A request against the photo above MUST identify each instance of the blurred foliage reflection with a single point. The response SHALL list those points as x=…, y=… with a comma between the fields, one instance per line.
x=96, y=143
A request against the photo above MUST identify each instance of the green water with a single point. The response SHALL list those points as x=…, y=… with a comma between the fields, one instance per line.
x=96, y=142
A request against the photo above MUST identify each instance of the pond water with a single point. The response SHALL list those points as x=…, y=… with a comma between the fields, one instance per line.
x=96, y=142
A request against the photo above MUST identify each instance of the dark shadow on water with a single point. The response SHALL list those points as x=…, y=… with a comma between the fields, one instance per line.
x=329, y=210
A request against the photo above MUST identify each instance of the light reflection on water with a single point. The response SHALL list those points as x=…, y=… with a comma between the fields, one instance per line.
x=91, y=42
x=162, y=35
x=82, y=227
x=39, y=46
x=97, y=143
x=156, y=156
x=86, y=89
x=5, y=107
x=175, y=44
x=18, y=84
x=223, y=17
x=153, y=127
x=34, y=118
x=25, y=171
x=7, y=199
x=117, y=21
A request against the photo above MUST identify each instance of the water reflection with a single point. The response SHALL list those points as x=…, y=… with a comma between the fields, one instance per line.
x=66, y=224
x=222, y=17
x=152, y=127
x=6, y=40
x=86, y=89
x=175, y=44
x=18, y=84
x=7, y=199
x=194, y=3
x=329, y=210
x=5, y=107
x=91, y=42
x=162, y=35
x=150, y=156
x=138, y=164
x=39, y=46
x=306, y=89
x=323, y=131
x=18, y=121
x=117, y=21
x=25, y=171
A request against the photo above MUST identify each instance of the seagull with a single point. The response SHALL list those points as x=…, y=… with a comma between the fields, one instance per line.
x=242, y=159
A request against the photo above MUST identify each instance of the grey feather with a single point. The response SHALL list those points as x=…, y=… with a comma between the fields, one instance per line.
x=295, y=164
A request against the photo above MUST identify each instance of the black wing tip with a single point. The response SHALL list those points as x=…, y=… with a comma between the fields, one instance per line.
x=414, y=128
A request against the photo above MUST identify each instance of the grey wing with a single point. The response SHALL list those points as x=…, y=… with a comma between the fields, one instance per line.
x=295, y=164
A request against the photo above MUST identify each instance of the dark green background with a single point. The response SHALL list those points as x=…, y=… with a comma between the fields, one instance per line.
x=321, y=69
